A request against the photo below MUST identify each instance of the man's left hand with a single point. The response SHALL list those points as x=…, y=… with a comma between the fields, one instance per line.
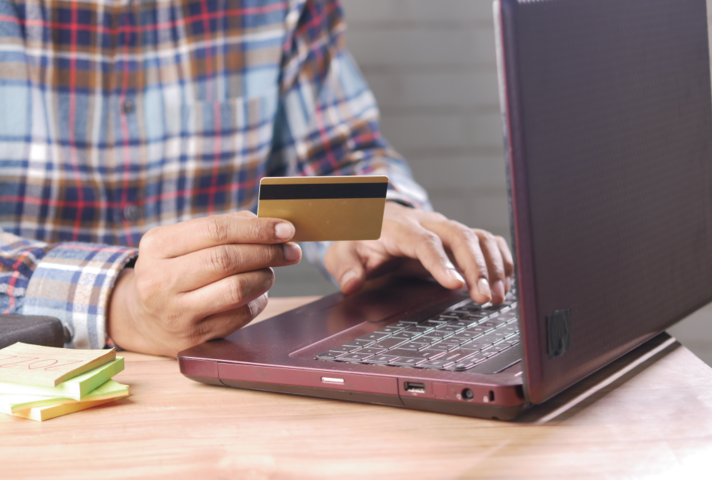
x=426, y=243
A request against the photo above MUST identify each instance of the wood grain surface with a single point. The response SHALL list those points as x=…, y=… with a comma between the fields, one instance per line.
x=654, y=421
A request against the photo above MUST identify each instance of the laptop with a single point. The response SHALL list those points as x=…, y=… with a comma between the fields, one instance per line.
x=608, y=134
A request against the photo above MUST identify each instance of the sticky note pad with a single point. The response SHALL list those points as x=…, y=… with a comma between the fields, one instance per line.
x=75, y=388
x=48, y=366
x=326, y=208
x=106, y=393
x=11, y=404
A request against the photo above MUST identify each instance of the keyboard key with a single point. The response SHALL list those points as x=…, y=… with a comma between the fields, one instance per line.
x=448, y=328
x=428, y=323
x=506, y=317
x=358, y=343
x=509, y=329
x=460, y=324
x=449, y=342
x=436, y=364
x=492, y=323
x=401, y=352
x=478, y=343
x=371, y=350
x=374, y=336
x=492, y=350
x=479, y=358
x=405, y=361
x=409, y=334
x=437, y=334
x=466, y=335
x=414, y=345
x=440, y=320
x=464, y=351
x=453, y=356
x=403, y=323
x=390, y=342
x=433, y=352
x=419, y=329
x=498, y=335
x=379, y=359
x=352, y=357
x=389, y=330
x=469, y=310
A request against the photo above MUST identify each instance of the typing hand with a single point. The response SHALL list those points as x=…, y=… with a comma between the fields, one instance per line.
x=425, y=243
x=198, y=280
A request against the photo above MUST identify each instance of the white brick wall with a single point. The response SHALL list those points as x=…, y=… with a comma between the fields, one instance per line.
x=431, y=65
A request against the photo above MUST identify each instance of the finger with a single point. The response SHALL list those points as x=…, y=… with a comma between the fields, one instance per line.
x=467, y=252
x=209, y=265
x=495, y=264
x=508, y=262
x=229, y=293
x=223, y=324
x=423, y=244
x=343, y=261
x=193, y=235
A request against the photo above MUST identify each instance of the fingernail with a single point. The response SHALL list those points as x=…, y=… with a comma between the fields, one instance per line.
x=508, y=283
x=347, y=277
x=484, y=287
x=292, y=252
x=456, y=275
x=498, y=290
x=284, y=231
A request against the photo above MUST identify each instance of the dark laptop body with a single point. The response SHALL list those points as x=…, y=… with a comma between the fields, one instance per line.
x=608, y=137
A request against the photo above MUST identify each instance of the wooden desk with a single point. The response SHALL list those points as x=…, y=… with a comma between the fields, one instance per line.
x=655, y=421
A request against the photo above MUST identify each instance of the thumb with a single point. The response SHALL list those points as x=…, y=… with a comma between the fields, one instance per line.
x=344, y=263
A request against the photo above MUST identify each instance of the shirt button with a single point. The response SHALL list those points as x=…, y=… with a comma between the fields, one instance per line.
x=128, y=107
x=131, y=212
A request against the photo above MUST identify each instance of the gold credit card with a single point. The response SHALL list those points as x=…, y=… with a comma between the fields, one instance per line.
x=326, y=208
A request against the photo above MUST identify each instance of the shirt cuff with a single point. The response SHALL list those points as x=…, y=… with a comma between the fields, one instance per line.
x=73, y=283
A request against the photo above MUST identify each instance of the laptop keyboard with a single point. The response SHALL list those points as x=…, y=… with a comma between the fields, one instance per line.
x=457, y=339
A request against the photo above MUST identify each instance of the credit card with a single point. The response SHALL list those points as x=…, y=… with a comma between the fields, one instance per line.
x=326, y=208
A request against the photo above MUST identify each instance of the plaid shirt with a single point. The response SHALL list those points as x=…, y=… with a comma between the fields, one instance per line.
x=120, y=115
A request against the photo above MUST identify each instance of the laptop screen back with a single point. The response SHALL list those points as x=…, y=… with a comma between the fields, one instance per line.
x=609, y=132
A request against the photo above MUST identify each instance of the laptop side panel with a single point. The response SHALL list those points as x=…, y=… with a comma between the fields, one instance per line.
x=609, y=131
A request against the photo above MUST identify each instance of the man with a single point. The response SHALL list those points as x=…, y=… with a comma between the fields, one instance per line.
x=132, y=131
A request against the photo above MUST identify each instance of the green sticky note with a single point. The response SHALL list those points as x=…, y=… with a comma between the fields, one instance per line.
x=75, y=388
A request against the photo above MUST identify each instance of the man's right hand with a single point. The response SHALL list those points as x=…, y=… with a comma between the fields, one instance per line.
x=198, y=280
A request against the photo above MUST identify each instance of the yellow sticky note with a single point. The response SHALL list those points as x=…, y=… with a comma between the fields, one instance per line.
x=45, y=413
x=48, y=366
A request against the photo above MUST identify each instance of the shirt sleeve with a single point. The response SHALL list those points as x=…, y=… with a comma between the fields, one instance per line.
x=68, y=281
x=328, y=120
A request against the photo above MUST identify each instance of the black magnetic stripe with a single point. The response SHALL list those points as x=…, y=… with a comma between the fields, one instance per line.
x=323, y=190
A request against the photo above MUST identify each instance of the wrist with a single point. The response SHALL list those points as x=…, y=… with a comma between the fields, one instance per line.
x=119, y=318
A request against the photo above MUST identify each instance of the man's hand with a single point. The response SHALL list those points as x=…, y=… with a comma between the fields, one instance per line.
x=425, y=243
x=198, y=280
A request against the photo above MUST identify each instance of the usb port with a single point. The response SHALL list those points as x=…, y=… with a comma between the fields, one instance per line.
x=414, y=387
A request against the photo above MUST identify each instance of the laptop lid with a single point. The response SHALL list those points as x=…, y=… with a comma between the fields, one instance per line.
x=607, y=114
